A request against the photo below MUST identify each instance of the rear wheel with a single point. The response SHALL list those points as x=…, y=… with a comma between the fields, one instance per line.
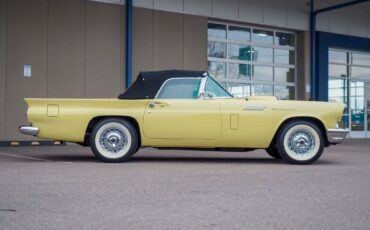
x=300, y=142
x=272, y=151
x=114, y=140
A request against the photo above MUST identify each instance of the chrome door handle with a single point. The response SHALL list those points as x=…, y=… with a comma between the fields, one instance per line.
x=153, y=104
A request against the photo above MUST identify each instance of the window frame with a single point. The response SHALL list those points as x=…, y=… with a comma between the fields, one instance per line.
x=178, y=78
x=202, y=86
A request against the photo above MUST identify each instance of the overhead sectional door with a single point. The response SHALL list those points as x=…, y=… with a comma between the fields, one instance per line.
x=248, y=60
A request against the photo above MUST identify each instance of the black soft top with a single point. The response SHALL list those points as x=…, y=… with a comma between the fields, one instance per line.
x=147, y=84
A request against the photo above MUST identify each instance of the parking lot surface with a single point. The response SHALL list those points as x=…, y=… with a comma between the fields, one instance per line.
x=66, y=188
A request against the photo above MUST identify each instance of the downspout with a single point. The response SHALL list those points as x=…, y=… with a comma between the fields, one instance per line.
x=313, y=50
x=128, y=78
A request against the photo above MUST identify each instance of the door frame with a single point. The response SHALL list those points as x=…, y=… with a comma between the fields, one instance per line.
x=366, y=132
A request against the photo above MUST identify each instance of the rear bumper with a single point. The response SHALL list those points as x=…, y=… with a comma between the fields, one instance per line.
x=336, y=136
x=28, y=130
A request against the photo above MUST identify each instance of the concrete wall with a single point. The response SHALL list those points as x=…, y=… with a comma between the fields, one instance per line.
x=3, y=22
x=164, y=40
x=303, y=65
x=26, y=44
x=105, y=50
x=75, y=47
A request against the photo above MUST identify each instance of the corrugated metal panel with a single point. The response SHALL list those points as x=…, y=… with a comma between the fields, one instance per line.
x=226, y=9
x=339, y=21
x=290, y=14
x=196, y=7
x=169, y=5
x=119, y=2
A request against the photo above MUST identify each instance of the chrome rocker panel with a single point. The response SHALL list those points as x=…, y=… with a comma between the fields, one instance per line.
x=336, y=136
x=28, y=130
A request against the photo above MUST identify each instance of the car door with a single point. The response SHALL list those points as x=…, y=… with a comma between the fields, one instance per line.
x=249, y=123
x=179, y=113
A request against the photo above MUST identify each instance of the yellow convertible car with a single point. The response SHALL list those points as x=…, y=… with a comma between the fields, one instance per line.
x=187, y=110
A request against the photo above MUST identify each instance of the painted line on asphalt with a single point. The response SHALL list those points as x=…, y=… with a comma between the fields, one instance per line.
x=30, y=158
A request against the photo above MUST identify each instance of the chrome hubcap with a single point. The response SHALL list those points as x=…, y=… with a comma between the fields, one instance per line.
x=113, y=140
x=301, y=142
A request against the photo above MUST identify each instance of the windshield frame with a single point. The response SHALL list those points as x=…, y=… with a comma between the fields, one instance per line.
x=203, y=87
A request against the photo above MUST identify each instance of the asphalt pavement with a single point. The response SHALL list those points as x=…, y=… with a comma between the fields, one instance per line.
x=67, y=188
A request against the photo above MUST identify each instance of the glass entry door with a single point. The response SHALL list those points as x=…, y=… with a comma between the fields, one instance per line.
x=367, y=108
x=360, y=109
x=349, y=83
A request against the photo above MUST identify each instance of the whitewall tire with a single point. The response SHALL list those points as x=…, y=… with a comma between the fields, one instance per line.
x=300, y=142
x=114, y=140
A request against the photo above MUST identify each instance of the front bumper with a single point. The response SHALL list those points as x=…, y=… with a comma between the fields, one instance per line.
x=336, y=136
x=28, y=130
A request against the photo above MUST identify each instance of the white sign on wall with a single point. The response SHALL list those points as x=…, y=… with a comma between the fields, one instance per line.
x=27, y=70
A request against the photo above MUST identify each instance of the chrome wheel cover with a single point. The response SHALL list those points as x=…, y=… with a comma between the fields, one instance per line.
x=301, y=142
x=113, y=140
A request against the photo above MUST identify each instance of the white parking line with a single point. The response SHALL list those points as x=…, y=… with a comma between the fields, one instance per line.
x=30, y=158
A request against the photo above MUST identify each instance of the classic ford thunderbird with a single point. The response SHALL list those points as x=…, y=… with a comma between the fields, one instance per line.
x=188, y=110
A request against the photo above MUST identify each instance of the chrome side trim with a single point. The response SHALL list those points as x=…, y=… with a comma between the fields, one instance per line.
x=255, y=107
x=29, y=130
x=336, y=135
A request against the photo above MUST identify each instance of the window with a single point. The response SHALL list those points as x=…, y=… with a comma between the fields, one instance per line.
x=215, y=89
x=180, y=88
x=239, y=71
x=263, y=36
x=239, y=89
x=284, y=92
x=252, y=61
x=216, y=30
x=361, y=59
x=284, y=39
x=282, y=56
x=217, y=69
x=360, y=72
x=338, y=56
x=240, y=52
x=239, y=33
x=283, y=74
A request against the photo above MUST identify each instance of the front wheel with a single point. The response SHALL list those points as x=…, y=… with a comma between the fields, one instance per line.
x=300, y=142
x=114, y=140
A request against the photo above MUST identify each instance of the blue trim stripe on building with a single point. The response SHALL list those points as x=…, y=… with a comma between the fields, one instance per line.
x=313, y=14
x=128, y=43
x=324, y=41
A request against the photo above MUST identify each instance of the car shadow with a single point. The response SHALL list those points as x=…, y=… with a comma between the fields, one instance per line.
x=217, y=160
x=70, y=158
x=140, y=159
x=169, y=159
x=202, y=160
